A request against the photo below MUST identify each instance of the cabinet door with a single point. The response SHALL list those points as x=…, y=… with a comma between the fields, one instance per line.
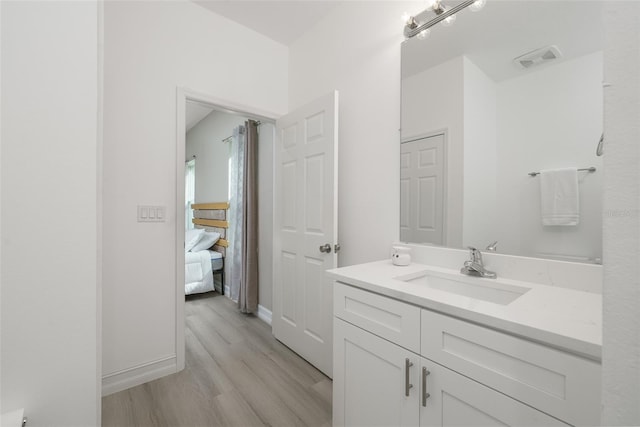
x=455, y=400
x=558, y=383
x=372, y=379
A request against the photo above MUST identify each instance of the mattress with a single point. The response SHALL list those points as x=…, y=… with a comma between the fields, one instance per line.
x=216, y=260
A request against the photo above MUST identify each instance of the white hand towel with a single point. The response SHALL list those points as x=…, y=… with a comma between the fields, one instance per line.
x=559, y=196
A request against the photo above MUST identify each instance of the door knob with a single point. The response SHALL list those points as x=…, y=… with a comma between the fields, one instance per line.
x=326, y=248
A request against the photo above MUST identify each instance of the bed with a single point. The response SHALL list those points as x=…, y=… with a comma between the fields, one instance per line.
x=205, y=249
x=199, y=268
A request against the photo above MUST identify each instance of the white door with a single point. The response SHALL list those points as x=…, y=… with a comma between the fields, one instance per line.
x=306, y=229
x=455, y=400
x=422, y=189
x=375, y=383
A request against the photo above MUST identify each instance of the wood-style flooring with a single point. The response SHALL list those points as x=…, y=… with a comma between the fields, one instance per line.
x=236, y=374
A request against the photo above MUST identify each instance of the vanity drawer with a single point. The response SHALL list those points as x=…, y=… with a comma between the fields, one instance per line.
x=390, y=319
x=561, y=384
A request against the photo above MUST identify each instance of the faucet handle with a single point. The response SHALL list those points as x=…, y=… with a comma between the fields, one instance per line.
x=492, y=246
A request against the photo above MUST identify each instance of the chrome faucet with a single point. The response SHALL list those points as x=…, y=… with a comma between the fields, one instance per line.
x=475, y=266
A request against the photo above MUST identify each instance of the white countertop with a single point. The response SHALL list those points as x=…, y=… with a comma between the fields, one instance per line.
x=13, y=418
x=560, y=317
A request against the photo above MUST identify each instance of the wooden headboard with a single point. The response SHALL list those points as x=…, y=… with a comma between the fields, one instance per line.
x=213, y=217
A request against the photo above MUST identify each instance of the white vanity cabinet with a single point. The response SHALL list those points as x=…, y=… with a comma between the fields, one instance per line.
x=397, y=364
x=370, y=380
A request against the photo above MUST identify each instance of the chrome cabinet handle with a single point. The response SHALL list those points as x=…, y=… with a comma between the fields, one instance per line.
x=407, y=385
x=425, y=395
x=326, y=248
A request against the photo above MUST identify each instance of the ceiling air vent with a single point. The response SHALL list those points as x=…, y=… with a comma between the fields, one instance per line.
x=538, y=57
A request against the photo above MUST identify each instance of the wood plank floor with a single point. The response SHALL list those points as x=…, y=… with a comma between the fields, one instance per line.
x=236, y=374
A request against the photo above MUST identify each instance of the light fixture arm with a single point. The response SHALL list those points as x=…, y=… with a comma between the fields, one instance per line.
x=410, y=32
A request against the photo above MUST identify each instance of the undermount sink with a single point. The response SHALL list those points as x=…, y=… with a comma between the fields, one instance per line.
x=491, y=290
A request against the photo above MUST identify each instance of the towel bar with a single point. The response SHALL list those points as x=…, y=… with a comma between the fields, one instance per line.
x=589, y=169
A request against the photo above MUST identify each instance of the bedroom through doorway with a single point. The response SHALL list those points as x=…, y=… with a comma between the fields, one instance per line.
x=205, y=174
x=208, y=177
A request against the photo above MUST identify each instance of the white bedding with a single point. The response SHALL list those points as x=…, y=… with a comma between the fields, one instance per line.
x=197, y=272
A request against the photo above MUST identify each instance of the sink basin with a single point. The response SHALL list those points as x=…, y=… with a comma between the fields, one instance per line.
x=491, y=290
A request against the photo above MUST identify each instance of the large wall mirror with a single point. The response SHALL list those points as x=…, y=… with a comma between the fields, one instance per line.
x=476, y=123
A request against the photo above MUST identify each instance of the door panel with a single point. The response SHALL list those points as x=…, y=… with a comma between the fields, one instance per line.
x=305, y=218
x=288, y=288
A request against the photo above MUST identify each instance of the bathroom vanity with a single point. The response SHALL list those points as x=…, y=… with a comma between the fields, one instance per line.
x=425, y=345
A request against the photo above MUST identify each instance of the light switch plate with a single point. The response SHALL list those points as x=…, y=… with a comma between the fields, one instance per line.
x=151, y=213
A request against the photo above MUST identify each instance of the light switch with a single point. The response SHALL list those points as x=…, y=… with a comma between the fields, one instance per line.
x=151, y=213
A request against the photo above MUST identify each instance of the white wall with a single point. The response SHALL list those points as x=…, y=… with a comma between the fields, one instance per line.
x=356, y=50
x=621, y=322
x=49, y=216
x=550, y=118
x=150, y=49
x=204, y=141
x=433, y=100
x=480, y=157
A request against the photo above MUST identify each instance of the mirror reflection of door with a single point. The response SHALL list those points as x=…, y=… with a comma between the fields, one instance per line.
x=422, y=190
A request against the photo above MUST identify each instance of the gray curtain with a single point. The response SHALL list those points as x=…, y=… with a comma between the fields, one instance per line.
x=242, y=255
x=236, y=211
x=248, y=289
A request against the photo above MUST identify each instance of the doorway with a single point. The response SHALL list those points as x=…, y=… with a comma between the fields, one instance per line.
x=226, y=111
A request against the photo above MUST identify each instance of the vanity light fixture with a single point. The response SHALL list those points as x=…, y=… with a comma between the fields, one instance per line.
x=446, y=16
x=439, y=9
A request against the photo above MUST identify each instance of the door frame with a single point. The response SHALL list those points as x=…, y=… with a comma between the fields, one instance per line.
x=183, y=95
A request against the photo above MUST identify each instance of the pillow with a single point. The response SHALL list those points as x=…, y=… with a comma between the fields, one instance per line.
x=208, y=239
x=191, y=237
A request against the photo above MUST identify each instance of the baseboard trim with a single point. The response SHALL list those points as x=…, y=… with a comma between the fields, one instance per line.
x=131, y=377
x=264, y=314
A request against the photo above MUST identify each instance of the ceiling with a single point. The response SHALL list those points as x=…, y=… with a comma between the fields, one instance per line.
x=281, y=20
x=195, y=112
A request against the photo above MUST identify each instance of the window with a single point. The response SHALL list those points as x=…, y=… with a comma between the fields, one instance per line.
x=189, y=192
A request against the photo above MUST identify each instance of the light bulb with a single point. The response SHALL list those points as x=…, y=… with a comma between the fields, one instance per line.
x=449, y=20
x=477, y=5
x=405, y=17
x=423, y=34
